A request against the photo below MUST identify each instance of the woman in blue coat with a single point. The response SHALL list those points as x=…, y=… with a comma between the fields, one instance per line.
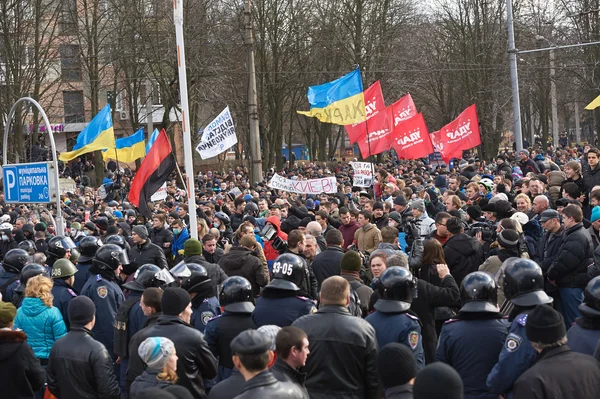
x=42, y=322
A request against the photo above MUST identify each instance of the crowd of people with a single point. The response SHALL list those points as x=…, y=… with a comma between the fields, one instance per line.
x=479, y=280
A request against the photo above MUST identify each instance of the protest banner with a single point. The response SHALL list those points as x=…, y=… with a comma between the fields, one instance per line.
x=411, y=139
x=66, y=185
x=373, y=105
x=326, y=185
x=160, y=194
x=363, y=174
x=460, y=134
x=218, y=136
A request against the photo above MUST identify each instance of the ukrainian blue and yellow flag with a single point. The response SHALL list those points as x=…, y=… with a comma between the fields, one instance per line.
x=340, y=102
x=151, y=140
x=128, y=149
x=97, y=135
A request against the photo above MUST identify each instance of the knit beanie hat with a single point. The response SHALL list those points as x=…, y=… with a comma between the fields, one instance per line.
x=396, y=365
x=351, y=262
x=474, y=211
x=508, y=239
x=438, y=380
x=192, y=247
x=524, y=151
x=156, y=351
x=141, y=231
x=174, y=301
x=545, y=325
x=270, y=331
x=418, y=204
x=595, y=214
x=7, y=313
x=81, y=311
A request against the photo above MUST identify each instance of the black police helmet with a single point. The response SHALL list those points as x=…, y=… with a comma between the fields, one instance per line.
x=117, y=240
x=15, y=260
x=191, y=276
x=524, y=283
x=87, y=248
x=289, y=271
x=143, y=278
x=110, y=256
x=31, y=270
x=395, y=284
x=251, y=209
x=479, y=293
x=222, y=216
x=591, y=298
x=28, y=246
x=236, y=295
x=59, y=245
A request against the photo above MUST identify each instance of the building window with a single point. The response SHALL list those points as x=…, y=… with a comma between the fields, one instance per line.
x=70, y=62
x=73, y=104
x=67, y=22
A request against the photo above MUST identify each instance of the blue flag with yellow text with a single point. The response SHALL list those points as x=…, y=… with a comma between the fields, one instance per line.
x=128, y=149
x=97, y=135
x=340, y=102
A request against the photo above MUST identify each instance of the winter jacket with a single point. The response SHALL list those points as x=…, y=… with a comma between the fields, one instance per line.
x=591, y=178
x=367, y=238
x=549, y=248
x=178, y=241
x=148, y=253
x=576, y=254
x=80, y=367
x=240, y=261
x=463, y=255
x=348, y=231
x=215, y=273
x=529, y=166
x=160, y=237
x=43, y=325
x=143, y=382
x=271, y=253
x=559, y=373
x=327, y=263
x=493, y=266
x=265, y=385
x=19, y=368
x=344, y=352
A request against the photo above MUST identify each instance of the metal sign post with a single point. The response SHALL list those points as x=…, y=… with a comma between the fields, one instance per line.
x=27, y=185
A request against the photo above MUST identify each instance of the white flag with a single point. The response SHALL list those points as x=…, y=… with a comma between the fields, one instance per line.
x=218, y=136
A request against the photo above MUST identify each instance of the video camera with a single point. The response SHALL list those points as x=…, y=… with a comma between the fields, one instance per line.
x=486, y=228
x=269, y=233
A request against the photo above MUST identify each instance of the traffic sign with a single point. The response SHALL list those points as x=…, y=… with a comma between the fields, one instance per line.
x=29, y=183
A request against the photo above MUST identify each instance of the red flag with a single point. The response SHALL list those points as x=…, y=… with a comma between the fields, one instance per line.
x=401, y=110
x=153, y=172
x=374, y=105
x=411, y=139
x=438, y=146
x=379, y=136
x=460, y=134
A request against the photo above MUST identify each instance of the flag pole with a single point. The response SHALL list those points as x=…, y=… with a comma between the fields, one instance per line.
x=181, y=176
x=118, y=170
x=369, y=145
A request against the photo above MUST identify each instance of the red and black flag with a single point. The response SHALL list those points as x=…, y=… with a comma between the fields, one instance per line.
x=154, y=171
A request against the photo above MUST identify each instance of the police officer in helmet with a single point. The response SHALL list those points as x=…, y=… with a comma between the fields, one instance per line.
x=103, y=289
x=194, y=279
x=59, y=247
x=63, y=274
x=393, y=320
x=472, y=341
x=282, y=301
x=87, y=249
x=524, y=288
x=30, y=270
x=14, y=261
x=237, y=302
x=585, y=333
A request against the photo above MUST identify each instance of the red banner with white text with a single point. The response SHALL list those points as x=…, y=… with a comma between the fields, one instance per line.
x=401, y=110
x=374, y=105
x=460, y=134
x=411, y=140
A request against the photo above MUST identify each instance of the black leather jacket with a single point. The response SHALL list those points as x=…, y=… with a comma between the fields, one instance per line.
x=196, y=362
x=265, y=385
x=80, y=367
x=285, y=373
x=148, y=253
x=343, y=354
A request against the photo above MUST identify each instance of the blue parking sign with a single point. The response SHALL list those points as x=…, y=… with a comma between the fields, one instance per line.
x=29, y=183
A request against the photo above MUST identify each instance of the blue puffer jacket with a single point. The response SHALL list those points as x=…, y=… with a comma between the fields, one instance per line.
x=43, y=325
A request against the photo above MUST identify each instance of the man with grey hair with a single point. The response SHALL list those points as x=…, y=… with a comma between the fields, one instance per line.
x=311, y=248
x=315, y=230
x=558, y=372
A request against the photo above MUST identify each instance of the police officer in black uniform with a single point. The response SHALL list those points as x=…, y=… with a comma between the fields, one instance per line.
x=524, y=288
x=585, y=333
x=14, y=261
x=28, y=246
x=63, y=274
x=30, y=270
x=103, y=289
x=87, y=249
x=130, y=316
x=282, y=301
x=238, y=304
x=393, y=320
x=205, y=305
x=472, y=341
x=59, y=247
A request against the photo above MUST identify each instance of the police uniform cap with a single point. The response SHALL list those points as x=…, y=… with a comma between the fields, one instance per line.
x=250, y=342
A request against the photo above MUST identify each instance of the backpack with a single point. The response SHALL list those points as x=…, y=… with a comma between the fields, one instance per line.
x=354, y=306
